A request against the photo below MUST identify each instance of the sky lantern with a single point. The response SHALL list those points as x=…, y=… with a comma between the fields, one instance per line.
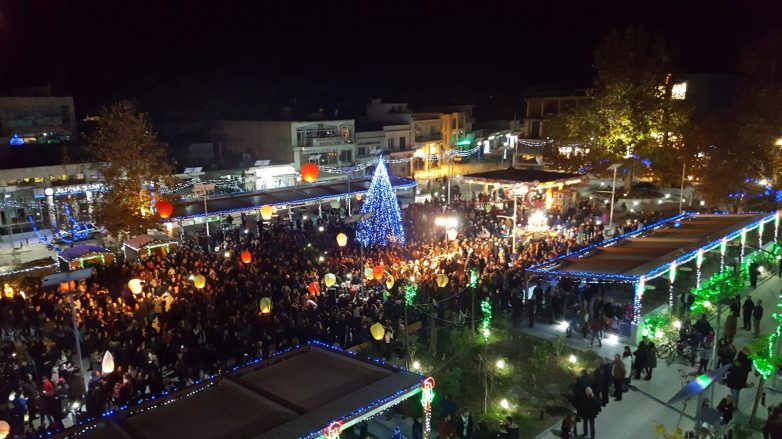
x=246, y=257
x=266, y=305
x=8, y=291
x=309, y=172
x=378, y=331
x=442, y=280
x=330, y=279
x=199, y=281
x=390, y=282
x=164, y=208
x=377, y=272
x=342, y=239
x=368, y=273
x=107, y=365
x=314, y=288
x=134, y=285
x=266, y=212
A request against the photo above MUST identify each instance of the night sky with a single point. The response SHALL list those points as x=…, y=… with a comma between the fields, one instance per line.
x=223, y=57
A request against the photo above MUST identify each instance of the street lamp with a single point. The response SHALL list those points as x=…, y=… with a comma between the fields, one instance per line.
x=449, y=222
x=614, y=168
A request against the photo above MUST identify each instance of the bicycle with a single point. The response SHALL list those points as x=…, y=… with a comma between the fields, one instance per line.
x=461, y=318
x=679, y=348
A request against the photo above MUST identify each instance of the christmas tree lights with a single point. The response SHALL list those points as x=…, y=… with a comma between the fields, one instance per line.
x=486, y=321
x=385, y=226
x=410, y=293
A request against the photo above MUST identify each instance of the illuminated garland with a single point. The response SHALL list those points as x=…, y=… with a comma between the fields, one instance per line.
x=427, y=397
x=473, y=282
x=486, y=320
x=431, y=157
x=763, y=354
x=719, y=286
x=410, y=292
x=40, y=236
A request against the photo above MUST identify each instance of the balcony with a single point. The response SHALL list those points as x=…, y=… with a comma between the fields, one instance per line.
x=325, y=141
x=429, y=138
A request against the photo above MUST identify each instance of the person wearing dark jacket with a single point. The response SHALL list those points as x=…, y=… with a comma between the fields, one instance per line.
x=464, y=425
x=618, y=374
x=737, y=375
x=747, y=308
x=589, y=409
x=757, y=314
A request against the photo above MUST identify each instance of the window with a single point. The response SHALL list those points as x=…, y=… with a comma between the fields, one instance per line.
x=390, y=143
x=346, y=156
x=362, y=151
x=402, y=142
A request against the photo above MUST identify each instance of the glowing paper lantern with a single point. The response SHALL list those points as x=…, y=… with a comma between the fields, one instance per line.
x=107, y=365
x=199, y=281
x=442, y=280
x=266, y=212
x=452, y=234
x=266, y=305
x=378, y=331
x=8, y=291
x=5, y=429
x=309, y=172
x=342, y=239
x=368, y=273
x=314, y=288
x=390, y=282
x=330, y=279
x=246, y=257
x=377, y=272
x=164, y=208
x=134, y=285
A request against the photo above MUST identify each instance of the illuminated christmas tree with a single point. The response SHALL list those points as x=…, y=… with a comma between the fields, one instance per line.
x=385, y=226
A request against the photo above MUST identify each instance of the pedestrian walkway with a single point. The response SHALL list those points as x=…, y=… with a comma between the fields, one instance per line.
x=645, y=404
x=22, y=251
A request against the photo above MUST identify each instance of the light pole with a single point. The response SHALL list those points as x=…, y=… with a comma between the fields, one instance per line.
x=203, y=188
x=681, y=191
x=614, y=168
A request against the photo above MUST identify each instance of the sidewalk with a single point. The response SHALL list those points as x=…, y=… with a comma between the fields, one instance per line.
x=645, y=404
x=31, y=249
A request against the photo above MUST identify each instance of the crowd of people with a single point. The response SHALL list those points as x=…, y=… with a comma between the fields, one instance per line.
x=173, y=333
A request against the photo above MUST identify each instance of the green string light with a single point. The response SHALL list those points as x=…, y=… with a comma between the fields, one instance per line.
x=486, y=321
x=410, y=292
x=473, y=278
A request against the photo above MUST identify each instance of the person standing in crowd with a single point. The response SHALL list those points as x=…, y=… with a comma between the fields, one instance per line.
x=627, y=359
x=641, y=357
x=727, y=408
x=747, y=309
x=589, y=409
x=567, y=426
x=737, y=375
x=651, y=360
x=730, y=325
x=618, y=374
x=464, y=426
x=757, y=314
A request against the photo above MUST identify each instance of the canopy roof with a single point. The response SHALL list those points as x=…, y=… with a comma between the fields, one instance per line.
x=283, y=197
x=141, y=240
x=649, y=252
x=296, y=394
x=78, y=251
x=511, y=176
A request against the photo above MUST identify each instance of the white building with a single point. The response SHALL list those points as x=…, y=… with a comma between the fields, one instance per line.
x=326, y=143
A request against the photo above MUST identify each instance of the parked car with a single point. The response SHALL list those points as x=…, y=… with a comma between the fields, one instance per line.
x=80, y=233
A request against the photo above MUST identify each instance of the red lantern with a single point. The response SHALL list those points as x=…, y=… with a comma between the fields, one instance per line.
x=377, y=272
x=309, y=172
x=246, y=257
x=314, y=288
x=164, y=208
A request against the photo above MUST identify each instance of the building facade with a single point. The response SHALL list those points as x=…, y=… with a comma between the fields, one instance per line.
x=43, y=120
x=538, y=110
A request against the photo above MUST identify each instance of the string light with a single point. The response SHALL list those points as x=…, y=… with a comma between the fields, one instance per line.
x=385, y=226
x=639, y=295
x=671, y=280
x=486, y=320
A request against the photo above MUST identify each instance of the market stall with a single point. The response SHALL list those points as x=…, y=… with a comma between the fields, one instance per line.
x=145, y=246
x=81, y=256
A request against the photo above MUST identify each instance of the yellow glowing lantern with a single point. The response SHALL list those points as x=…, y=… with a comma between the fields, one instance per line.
x=368, y=273
x=390, y=282
x=107, y=365
x=134, y=285
x=5, y=429
x=452, y=234
x=266, y=212
x=329, y=280
x=8, y=291
x=199, y=281
x=266, y=305
x=442, y=280
x=342, y=239
x=378, y=331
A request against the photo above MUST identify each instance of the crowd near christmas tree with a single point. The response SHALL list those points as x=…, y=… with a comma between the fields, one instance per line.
x=174, y=333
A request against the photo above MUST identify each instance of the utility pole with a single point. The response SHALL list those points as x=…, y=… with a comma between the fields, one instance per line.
x=613, y=167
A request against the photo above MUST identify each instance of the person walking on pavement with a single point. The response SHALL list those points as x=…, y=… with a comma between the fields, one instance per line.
x=607, y=369
x=651, y=360
x=747, y=308
x=730, y=325
x=627, y=359
x=590, y=407
x=753, y=274
x=537, y=295
x=618, y=374
x=737, y=375
x=757, y=314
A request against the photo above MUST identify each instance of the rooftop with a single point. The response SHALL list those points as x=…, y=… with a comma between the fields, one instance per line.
x=650, y=251
x=511, y=175
x=296, y=394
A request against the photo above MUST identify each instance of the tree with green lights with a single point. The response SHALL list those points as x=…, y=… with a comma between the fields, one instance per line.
x=631, y=116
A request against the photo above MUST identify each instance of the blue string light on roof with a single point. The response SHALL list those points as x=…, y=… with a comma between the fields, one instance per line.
x=385, y=226
x=15, y=140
